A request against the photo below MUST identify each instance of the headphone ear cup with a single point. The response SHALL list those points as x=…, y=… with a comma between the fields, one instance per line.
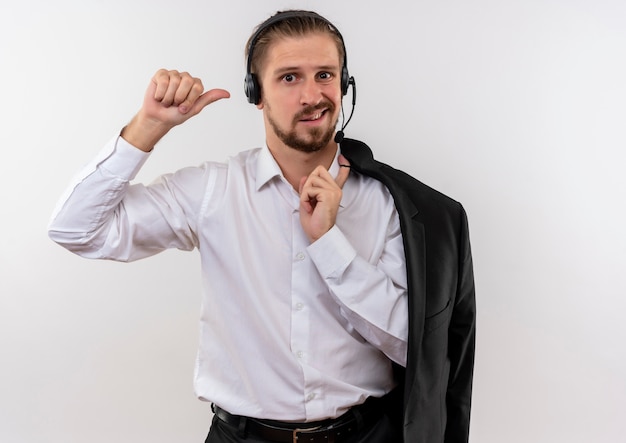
x=345, y=80
x=252, y=89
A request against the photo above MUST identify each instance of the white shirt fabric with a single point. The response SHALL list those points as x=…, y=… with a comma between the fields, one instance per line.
x=289, y=330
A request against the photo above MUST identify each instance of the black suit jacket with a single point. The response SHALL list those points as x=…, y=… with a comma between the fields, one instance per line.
x=437, y=381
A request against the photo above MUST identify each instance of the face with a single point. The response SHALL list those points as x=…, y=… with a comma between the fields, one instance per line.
x=301, y=92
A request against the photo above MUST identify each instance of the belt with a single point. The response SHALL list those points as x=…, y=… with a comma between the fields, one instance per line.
x=326, y=431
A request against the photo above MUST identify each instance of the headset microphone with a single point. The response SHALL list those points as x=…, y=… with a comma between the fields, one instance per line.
x=339, y=136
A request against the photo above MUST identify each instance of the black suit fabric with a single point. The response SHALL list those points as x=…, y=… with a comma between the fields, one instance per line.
x=437, y=381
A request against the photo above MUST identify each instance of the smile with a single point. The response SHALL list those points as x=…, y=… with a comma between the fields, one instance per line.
x=314, y=117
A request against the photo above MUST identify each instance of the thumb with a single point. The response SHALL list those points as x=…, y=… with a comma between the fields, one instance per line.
x=207, y=98
x=344, y=171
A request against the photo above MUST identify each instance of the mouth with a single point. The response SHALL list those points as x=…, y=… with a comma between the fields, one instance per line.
x=314, y=117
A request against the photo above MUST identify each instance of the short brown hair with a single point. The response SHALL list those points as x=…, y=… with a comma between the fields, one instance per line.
x=294, y=23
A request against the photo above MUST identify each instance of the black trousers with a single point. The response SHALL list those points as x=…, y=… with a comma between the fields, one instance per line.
x=381, y=431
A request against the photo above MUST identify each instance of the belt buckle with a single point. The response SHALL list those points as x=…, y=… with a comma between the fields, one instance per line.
x=302, y=431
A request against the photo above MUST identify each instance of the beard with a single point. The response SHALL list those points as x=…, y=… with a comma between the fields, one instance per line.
x=316, y=138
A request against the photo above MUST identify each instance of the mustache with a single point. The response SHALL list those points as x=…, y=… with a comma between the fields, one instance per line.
x=327, y=105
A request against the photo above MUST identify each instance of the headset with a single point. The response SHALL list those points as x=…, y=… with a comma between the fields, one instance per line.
x=252, y=87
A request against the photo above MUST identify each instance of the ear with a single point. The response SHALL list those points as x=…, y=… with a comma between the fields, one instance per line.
x=260, y=105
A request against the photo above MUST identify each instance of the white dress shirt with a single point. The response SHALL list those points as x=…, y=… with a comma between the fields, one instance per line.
x=289, y=330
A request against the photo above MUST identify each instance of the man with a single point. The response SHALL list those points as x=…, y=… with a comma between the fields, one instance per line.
x=305, y=329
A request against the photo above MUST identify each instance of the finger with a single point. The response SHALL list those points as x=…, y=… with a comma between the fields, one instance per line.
x=207, y=98
x=313, y=187
x=173, y=81
x=344, y=171
x=189, y=89
x=318, y=190
x=193, y=91
x=321, y=175
x=305, y=197
x=321, y=178
x=160, y=83
x=343, y=161
x=310, y=189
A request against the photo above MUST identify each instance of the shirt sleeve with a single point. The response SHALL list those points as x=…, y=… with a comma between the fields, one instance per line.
x=101, y=215
x=372, y=296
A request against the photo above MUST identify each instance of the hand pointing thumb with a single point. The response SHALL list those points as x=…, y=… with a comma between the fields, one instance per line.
x=204, y=100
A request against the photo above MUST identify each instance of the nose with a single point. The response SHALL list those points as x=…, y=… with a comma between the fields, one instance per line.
x=311, y=93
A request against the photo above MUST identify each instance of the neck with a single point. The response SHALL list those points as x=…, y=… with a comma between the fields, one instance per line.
x=296, y=164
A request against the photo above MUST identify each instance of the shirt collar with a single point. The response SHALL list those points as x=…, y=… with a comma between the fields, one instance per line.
x=334, y=166
x=267, y=168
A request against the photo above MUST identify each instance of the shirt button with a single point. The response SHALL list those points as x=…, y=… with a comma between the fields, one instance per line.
x=300, y=256
x=299, y=306
x=300, y=354
x=310, y=397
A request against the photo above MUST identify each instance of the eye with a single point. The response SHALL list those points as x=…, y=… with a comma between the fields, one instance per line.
x=289, y=78
x=325, y=75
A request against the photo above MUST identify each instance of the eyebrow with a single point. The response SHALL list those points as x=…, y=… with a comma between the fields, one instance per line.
x=288, y=69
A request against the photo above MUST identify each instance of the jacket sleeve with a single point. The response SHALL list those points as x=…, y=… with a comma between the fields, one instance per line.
x=461, y=345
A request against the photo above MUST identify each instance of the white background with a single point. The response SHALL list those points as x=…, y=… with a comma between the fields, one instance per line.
x=515, y=108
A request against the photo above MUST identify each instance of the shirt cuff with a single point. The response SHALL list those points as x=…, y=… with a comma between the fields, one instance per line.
x=331, y=253
x=124, y=160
